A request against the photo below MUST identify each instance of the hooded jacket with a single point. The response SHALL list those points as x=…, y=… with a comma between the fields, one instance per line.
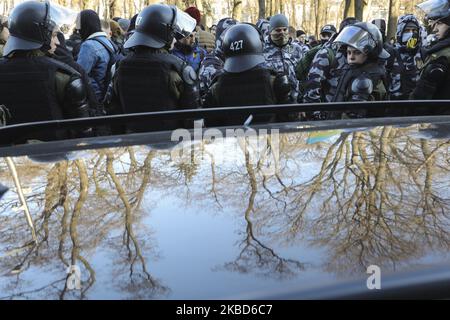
x=93, y=56
x=404, y=72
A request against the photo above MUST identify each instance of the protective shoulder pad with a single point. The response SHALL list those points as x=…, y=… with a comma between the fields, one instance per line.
x=189, y=75
x=281, y=84
x=362, y=85
x=65, y=68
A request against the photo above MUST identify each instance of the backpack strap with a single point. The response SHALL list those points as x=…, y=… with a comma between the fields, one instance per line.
x=108, y=48
x=331, y=56
x=110, y=62
x=305, y=63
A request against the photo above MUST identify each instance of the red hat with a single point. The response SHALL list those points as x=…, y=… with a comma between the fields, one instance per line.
x=194, y=13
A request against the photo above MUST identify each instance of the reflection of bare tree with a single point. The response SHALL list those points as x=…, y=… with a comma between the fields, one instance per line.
x=254, y=255
x=78, y=213
x=369, y=197
x=363, y=206
x=129, y=238
x=75, y=255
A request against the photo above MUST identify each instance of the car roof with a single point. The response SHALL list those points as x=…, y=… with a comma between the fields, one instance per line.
x=291, y=216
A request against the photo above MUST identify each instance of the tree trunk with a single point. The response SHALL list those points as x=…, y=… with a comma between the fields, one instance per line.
x=394, y=10
x=340, y=13
x=207, y=13
x=237, y=10
x=355, y=8
x=359, y=9
x=304, y=15
x=262, y=9
x=367, y=10
x=112, y=9
x=409, y=6
x=282, y=7
x=349, y=9
x=317, y=20
x=293, y=15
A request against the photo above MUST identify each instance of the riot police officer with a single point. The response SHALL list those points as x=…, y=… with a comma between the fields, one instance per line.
x=324, y=71
x=150, y=78
x=434, y=82
x=246, y=80
x=33, y=86
x=326, y=33
x=362, y=80
x=283, y=55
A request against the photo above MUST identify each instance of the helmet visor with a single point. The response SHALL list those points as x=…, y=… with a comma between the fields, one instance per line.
x=355, y=37
x=434, y=9
x=184, y=24
x=61, y=15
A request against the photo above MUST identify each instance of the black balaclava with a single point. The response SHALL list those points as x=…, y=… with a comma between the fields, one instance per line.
x=132, y=23
x=90, y=23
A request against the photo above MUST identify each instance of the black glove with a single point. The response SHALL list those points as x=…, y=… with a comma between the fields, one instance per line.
x=282, y=89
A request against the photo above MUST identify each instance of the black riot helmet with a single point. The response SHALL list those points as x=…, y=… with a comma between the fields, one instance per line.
x=30, y=27
x=328, y=29
x=157, y=25
x=435, y=10
x=347, y=22
x=242, y=48
x=366, y=37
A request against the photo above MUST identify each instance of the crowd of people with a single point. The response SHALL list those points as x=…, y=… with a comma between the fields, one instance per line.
x=163, y=58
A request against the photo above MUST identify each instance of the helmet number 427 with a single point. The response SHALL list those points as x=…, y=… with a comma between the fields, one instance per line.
x=236, y=45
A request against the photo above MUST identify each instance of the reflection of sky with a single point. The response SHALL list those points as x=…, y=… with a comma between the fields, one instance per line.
x=195, y=243
x=186, y=242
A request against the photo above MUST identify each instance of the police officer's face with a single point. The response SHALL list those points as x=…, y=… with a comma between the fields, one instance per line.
x=54, y=42
x=280, y=31
x=325, y=36
x=280, y=35
x=439, y=29
x=355, y=57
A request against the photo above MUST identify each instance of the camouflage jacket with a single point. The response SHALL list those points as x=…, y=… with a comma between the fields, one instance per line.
x=404, y=71
x=324, y=75
x=284, y=60
x=404, y=74
x=212, y=65
x=210, y=68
